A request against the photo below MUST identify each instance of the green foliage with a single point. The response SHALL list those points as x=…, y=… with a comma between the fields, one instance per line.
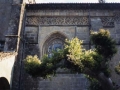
x=92, y=60
x=44, y=67
x=32, y=64
x=77, y=59
x=80, y=58
x=94, y=84
x=74, y=51
x=117, y=69
x=104, y=44
x=49, y=66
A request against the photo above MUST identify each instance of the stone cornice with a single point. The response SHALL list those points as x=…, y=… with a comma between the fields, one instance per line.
x=73, y=6
x=4, y=55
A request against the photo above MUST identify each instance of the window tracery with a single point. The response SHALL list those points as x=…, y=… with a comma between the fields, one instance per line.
x=54, y=43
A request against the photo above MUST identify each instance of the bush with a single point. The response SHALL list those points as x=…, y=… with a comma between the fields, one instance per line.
x=32, y=64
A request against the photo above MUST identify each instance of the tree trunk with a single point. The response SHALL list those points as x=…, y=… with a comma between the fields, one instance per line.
x=105, y=82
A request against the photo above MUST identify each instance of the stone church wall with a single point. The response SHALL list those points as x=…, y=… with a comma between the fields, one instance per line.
x=5, y=11
x=42, y=24
x=114, y=61
x=9, y=21
x=4, y=19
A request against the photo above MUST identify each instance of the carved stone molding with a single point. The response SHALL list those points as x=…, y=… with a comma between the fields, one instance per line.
x=57, y=13
x=57, y=21
x=107, y=21
x=117, y=17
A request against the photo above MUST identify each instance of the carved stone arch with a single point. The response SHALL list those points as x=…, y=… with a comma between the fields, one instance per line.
x=4, y=84
x=53, y=42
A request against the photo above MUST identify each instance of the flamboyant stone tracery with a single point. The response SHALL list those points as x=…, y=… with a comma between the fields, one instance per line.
x=54, y=42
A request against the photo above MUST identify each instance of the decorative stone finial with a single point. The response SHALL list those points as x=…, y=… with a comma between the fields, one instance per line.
x=30, y=1
x=101, y=1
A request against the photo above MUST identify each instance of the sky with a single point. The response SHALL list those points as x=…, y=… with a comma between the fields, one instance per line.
x=72, y=1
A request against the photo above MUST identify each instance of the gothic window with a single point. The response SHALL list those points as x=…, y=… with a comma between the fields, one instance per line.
x=54, y=43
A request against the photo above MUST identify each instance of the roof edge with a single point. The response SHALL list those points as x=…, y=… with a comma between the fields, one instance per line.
x=73, y=6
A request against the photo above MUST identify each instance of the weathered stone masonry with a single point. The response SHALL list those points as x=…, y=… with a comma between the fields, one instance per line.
x=11, y=26
x=44, y=21
x=9, y=21
x=34, y=29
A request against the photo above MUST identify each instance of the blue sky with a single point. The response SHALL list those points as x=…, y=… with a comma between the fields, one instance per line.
x=70, y=1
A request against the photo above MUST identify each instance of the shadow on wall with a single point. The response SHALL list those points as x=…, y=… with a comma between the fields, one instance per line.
x=4, y=85
x=12, y=73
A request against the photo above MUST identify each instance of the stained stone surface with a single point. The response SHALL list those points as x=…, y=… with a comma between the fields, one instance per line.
x=59, y=82
x=4, y=18
x=39, y=26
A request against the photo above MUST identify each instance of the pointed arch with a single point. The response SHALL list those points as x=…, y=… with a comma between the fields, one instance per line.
x=53, y=41
x=56, y=32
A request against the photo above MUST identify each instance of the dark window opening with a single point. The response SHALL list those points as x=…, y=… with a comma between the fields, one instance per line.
x=2, y=43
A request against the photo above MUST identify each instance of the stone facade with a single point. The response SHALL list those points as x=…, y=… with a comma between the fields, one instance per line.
x=33, y=29
x=4, y=20
x=114, y=61
x=43, y=23
x=59, y=82
x=10, y=21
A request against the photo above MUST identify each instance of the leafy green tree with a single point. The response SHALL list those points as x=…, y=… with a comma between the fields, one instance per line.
x=93, y=62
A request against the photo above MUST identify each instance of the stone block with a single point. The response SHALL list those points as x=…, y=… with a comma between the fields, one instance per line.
x=113, y=36
x=85, y=13
x=31, y=34
x=96, y=24
x=5, y=1
x=4, y=18
x=118, y=31
x=99, y=13
x=111, y=30
x=10, y=44
x=118, y=40
x=32, y=49
x=83, y=37
x=62, y=82
x=117, y=35
x=16, y=1
x=82, y=30
x=92, y=13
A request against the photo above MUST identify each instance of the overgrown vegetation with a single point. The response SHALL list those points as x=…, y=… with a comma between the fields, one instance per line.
x=74, y=57
x=117, y=69
x=94, y=84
